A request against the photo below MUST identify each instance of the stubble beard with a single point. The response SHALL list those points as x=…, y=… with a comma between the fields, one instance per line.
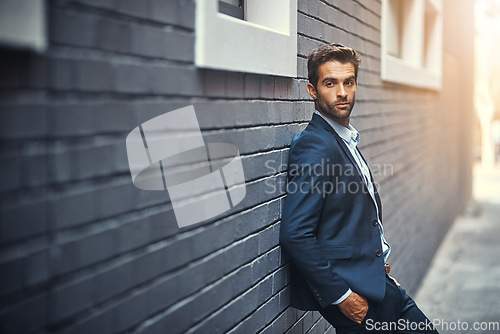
x=331, y=110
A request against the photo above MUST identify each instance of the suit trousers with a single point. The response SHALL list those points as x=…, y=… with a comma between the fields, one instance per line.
x=397, y=313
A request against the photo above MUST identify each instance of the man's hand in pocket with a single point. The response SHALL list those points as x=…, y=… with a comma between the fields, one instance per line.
x=354, y=307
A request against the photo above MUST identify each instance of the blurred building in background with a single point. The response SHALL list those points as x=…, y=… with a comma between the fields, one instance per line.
x=84, y=251
x=487, y=80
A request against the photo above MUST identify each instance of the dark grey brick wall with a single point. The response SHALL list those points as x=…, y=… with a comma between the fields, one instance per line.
x=84, y=251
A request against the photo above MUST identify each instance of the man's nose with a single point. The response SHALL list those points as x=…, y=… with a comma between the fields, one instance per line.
x=341, y=92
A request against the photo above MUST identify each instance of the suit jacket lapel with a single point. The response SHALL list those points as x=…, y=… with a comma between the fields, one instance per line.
x=341, y=142
x=346, y=150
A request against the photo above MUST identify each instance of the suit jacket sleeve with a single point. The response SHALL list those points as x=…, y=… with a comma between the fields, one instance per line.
x=301, y=217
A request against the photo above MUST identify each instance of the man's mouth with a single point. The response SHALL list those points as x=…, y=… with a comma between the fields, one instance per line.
x=342, y=104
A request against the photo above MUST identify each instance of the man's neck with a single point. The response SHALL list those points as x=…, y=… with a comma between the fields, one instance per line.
x=342, y=121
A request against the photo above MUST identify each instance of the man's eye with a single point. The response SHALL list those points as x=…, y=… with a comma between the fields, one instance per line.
x=329, y=84
x=350, y=83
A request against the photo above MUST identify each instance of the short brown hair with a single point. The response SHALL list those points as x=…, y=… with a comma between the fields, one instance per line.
x=328, y=52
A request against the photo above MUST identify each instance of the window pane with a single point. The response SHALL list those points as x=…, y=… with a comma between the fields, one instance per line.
x=232, y=8
x=395, y=27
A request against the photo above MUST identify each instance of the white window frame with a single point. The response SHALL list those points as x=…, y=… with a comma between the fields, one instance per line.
x=419, y=63
x=23, y=24
x=266, y=42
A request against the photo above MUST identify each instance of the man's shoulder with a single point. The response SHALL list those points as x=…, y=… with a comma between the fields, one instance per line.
x=309, y=135
x=313, y=141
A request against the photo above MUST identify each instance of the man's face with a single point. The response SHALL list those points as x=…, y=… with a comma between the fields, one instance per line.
x=336, y=91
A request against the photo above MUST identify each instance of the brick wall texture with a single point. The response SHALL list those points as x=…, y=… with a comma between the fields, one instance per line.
x=84, y=251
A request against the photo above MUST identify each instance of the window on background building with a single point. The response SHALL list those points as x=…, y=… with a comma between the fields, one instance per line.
x=258, y=36
x=412, y=42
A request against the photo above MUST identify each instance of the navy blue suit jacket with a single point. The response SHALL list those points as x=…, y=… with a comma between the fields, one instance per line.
x=329, y=222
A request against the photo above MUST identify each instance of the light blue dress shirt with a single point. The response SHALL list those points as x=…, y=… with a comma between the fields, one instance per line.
x=351, y=137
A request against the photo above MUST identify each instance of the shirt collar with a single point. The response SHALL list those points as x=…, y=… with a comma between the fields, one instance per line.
x=350, y=135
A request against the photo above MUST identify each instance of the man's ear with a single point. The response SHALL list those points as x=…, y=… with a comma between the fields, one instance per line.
x=311, y=90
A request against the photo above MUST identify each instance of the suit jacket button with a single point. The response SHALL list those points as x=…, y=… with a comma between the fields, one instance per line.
x=378, y=253
x=375, y=222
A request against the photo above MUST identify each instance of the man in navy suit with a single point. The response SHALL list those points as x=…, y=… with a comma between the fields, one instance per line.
x=332, y=217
